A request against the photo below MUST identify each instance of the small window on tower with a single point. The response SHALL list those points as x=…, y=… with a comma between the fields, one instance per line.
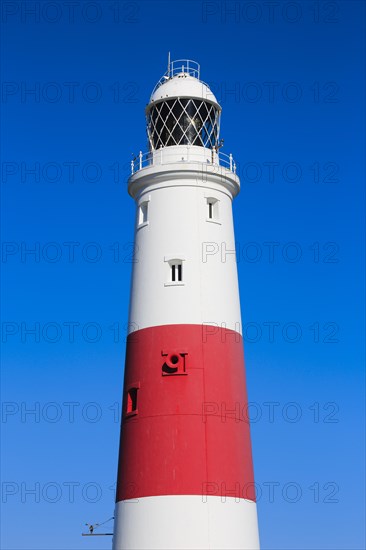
x=212, y=209
x=143, y=212
x=176, y=272
x=131, y=401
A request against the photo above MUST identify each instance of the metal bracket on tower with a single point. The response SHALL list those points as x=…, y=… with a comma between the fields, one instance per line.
x=93, y=526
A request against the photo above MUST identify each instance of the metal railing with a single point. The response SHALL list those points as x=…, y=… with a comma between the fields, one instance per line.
x=184, y=66
x=161, y=157
x=178, y=66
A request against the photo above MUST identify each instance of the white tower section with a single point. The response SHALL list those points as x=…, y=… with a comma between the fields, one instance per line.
x=184, y=193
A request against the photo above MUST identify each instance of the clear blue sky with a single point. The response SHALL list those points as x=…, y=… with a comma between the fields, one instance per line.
x=290, y=82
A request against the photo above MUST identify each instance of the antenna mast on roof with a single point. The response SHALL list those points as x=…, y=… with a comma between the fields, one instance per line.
x=168, y=71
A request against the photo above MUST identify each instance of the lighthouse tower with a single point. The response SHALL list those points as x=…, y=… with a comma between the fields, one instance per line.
x=185, y=475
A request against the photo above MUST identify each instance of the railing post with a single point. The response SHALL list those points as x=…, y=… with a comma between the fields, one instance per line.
x=140, y=158
x=132, y=166
x=234, y=168
x=231, y=162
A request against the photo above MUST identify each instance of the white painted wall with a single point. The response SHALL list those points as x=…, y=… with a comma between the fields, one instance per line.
x=183, y=522
x=178, y=227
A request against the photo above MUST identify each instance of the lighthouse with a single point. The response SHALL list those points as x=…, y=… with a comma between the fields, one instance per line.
x=185, y=473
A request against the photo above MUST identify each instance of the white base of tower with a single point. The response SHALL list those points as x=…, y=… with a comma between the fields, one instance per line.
x=186, y=522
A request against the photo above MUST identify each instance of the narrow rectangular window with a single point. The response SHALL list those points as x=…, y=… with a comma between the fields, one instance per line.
x=210, y=210
x=131, y=405
x=176, y=272
x=143, y=211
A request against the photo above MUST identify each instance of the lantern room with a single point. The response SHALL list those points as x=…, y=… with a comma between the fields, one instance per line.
x=182, y=109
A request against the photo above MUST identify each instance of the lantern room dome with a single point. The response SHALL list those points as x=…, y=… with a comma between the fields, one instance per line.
x=183, y=85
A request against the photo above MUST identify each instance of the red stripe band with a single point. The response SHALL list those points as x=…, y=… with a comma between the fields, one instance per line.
x=185, y=429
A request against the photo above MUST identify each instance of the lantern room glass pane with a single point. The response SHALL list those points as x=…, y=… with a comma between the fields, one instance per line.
x=183, y=121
